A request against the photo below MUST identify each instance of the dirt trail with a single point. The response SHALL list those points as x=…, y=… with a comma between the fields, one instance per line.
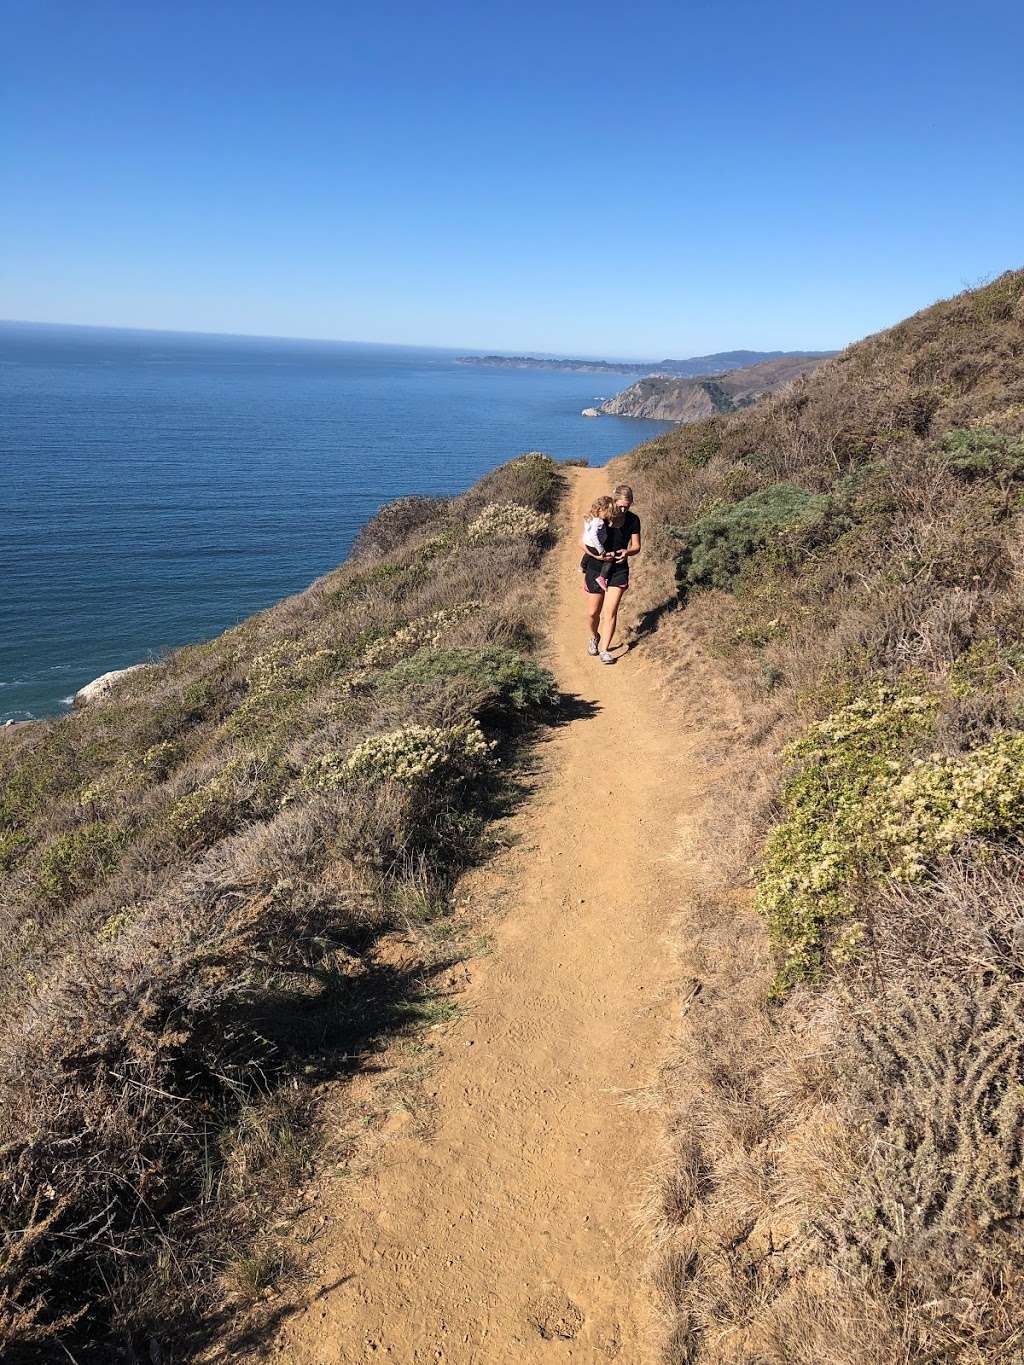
x=509, y=1234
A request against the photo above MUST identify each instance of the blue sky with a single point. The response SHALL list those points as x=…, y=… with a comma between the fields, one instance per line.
x=583, y=179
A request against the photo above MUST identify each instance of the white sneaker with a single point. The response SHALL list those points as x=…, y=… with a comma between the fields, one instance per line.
x=605, y=657
x=592, y=645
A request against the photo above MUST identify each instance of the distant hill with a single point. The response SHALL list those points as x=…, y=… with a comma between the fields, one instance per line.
x=683, y=369
x=670, y=398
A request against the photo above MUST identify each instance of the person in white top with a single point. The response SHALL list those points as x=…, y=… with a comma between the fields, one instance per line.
x=595, y=527
x=595, y=531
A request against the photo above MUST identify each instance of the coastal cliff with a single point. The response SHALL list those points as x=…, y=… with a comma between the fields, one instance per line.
x=670, y=399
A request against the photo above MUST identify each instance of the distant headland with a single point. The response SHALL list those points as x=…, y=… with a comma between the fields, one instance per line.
x=671, y=398
x=691, y=368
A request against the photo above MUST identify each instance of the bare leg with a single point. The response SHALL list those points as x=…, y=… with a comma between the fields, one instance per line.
x=612, y=598
x=595, y=601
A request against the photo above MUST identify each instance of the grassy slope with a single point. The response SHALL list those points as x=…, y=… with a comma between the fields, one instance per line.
x=846, y=1183
x=198, y=876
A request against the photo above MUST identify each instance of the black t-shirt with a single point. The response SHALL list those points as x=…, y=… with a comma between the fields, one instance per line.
x=618, y=537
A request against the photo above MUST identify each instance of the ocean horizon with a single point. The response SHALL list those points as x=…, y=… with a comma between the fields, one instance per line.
x=162, y=486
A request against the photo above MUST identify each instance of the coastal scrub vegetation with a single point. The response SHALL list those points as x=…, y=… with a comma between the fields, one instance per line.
x=846, y=1180
x=200, y=877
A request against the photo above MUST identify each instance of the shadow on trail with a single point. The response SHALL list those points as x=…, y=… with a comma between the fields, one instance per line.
x=571, y=707
x=233, y=1341
x=651, y=618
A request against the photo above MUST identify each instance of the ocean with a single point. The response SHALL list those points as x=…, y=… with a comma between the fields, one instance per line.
x=158, y=487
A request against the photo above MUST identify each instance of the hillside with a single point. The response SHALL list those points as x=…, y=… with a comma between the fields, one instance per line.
x=681, y=400
x=686, y=369
x=228, y=884
x=848, y=1121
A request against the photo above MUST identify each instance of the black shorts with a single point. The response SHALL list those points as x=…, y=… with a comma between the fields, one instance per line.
x=613, y=575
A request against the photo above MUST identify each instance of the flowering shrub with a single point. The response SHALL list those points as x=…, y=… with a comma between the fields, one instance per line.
x=501, y=519
x=160, y=758
x=409, y=755
x=246, y=788
x=428, y=630
x=279, y=678
x=859, y=811
x=941, y=801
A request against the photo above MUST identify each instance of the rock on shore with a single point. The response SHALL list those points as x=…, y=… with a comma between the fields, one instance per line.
x=103, y=685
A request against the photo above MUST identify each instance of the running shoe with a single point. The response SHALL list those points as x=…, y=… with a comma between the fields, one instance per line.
x=592, y=646
x=605, y=657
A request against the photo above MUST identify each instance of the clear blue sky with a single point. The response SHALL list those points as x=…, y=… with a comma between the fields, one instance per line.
x=579, y=178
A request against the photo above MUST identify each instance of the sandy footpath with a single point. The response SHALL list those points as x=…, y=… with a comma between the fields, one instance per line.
x=509, y=1234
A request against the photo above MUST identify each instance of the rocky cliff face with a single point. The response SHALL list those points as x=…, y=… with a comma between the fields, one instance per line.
x=669, y=399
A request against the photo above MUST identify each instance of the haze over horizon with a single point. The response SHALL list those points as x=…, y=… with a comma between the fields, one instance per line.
x=568, y=183
x=355, y=341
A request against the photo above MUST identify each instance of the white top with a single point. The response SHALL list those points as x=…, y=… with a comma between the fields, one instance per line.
x=594, y=533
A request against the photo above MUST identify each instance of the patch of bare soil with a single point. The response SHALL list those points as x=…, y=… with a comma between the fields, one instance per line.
x=508, y=1232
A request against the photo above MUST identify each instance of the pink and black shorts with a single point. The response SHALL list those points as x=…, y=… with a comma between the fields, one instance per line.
x=601, y=573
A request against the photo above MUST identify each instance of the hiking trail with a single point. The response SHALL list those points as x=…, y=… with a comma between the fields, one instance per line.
x=509, y=1234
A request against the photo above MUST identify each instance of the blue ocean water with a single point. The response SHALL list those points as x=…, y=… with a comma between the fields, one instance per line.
x=159, y=487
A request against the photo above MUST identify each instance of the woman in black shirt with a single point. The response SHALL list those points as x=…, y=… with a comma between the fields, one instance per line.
x=622, y=542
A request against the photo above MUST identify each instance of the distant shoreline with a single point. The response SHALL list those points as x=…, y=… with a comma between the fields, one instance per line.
x=693, y=367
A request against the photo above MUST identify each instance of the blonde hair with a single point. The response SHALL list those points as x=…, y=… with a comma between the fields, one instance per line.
x=603, y=507
x=623, y=490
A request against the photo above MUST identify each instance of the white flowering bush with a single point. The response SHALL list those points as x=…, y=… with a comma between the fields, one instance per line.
x=428, y=631
x=860, y=810
x=278, y=679
x=410, y=755
x=499, y=520
x=942, y=801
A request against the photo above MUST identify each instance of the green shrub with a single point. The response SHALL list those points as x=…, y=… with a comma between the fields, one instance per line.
x=387, y=579
x=859, y=810
x=160, y=758
x=705, y=442
x=717, y=546
x=279, y=679
x=74, y=861
x=532, y=480
x=513, y=685
x=39, y=778
x=12, y=846
x=981, y=452
x=243, y=790
x=410, y=755
x=995, y=302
